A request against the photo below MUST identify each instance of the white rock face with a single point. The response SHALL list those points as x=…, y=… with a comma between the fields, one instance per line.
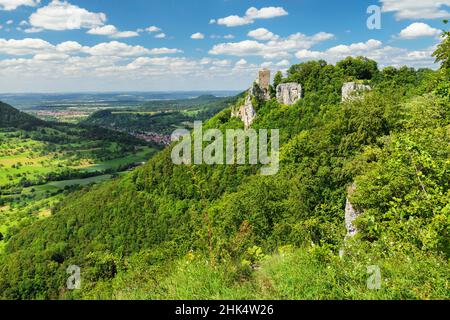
x=353, y=90
x=351, y=214
x=246, y=112
x=289, y=93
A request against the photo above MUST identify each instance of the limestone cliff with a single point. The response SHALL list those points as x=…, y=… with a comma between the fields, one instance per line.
x=289, y=93
x=246, y=112
x=351, y=214
x=353, y=90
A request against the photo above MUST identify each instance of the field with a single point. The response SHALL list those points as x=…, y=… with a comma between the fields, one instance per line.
x=48, y=154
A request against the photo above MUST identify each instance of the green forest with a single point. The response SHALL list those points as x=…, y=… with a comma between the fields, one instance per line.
x=165, y=231
x=41, y=162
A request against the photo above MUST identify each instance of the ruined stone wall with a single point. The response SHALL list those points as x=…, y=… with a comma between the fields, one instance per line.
x=353, y=90
x=264, y=79
x=289, y=93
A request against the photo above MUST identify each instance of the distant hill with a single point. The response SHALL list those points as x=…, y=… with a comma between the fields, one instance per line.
x=34, y=151
x=162, y=117
x=181, y=104
x=11, y=117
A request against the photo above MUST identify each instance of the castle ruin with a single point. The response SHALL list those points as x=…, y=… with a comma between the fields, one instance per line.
x=286, y=93
x=259, y=90
x=354, y=91
x=289, y=93
x=264, y=82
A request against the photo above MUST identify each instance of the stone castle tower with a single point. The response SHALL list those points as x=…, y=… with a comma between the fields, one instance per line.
x=264, y=79
x=264, y=82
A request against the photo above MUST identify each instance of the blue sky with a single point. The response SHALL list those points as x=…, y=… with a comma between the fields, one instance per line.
x=141, y=45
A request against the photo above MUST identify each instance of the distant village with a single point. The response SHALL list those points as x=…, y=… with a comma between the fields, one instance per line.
x=158, y=138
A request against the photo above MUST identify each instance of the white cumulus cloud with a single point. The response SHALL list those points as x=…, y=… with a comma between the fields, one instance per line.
x=418, y=30
x=112, y=32
x=117, y=49
x=277, y=48
x=417, y=9
x=250, y=16
x=24, y=47
x=9, y=5
x=69, y=46
x=157, y=51
x=153, y=29
x=198, y=36
x=234, y=21
x=61, y=15
x=125, y=34
x=265, y=13
x=51, y=56
x=107, y=30
x=262, y=34
x=112, y=50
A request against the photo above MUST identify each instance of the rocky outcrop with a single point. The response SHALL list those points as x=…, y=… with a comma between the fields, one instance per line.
x=353, y=90
x=351, y=214
x=289, y=93
x=246, y=112
x=260, y=91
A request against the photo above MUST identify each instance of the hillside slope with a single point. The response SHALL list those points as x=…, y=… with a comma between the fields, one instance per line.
x=189, y=232
x=11, y=117
x=34, y=151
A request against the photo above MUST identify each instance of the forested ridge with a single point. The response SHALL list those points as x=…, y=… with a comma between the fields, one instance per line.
x=10, y=117
x=206, y=232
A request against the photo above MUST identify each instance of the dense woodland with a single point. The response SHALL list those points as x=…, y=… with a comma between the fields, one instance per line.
x=41, y=162
x=196, y=232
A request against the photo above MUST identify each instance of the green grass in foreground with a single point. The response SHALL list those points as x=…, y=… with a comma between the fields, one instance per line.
x=293, y=274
